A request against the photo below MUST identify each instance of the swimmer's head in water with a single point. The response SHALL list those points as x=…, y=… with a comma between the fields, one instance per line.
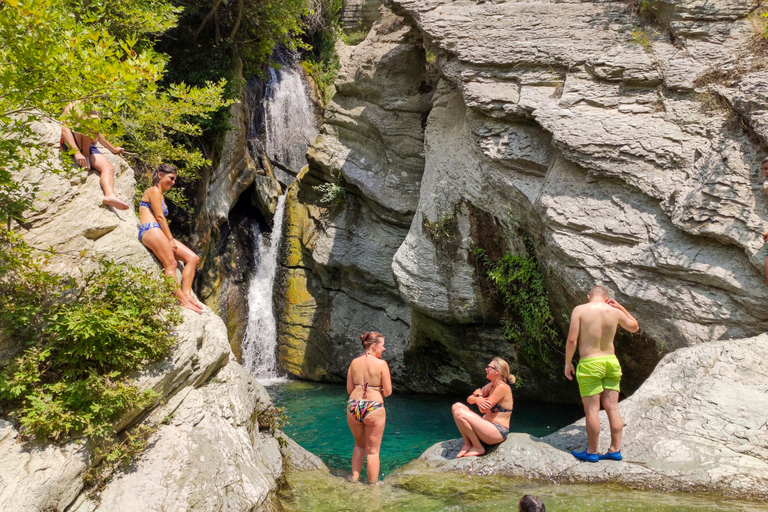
x=598, y=291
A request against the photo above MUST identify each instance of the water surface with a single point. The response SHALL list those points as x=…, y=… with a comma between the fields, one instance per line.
x=418, y=490
x=317, y=421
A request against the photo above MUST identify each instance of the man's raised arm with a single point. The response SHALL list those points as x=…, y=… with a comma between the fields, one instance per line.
x=626, y=320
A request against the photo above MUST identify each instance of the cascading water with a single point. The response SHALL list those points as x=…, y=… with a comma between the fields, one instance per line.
x=289, y=127
x=289, y=124
x=259, y=343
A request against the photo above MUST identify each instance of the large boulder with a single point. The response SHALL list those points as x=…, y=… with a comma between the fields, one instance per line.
x=208, y=436
x=697, y=423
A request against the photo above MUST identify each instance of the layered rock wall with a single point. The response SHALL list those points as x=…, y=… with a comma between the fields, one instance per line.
x=613, y=143
x=337, y=280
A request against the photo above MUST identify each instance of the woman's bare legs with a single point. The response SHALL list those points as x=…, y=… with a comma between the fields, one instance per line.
x=358, y=454
x=476, y=429
x=187, y=256
x=367, y=443
x=457, y=409
x=374, y=431
x=156, y=241
x=106, y=171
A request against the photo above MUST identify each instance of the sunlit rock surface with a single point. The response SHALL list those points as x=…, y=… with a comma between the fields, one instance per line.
x=208, y=452
x=623, y=152
x=697, y=423
x=337, y=280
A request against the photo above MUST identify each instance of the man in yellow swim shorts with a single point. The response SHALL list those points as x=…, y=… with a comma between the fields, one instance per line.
x=593, y=327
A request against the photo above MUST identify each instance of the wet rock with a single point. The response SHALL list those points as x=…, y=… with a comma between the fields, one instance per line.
x=337, y=274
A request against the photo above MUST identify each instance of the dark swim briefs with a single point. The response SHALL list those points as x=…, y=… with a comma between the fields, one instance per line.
x=65, y=148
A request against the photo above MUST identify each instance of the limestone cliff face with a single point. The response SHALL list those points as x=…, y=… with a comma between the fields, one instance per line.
x=208, y=452
x=337, y=275
x=626, y=151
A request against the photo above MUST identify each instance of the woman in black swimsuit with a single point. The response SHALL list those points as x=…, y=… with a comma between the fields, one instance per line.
x=495, y=402
x=368, y=382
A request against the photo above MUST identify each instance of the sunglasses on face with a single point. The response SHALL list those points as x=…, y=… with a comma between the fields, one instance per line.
x=489, y=367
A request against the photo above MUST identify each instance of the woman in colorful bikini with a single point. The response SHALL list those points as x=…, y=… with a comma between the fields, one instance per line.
x=156, y=236
x=495, y=402
x=368, y=382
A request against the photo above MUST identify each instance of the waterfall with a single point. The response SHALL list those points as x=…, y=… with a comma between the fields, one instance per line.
x=286, y=127
x=289, y=123
x=259, y=345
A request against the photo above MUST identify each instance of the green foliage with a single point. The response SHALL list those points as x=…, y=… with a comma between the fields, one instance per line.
x=323, y=29
x=127, y=18
x=443, y=231
x=333, y=194
x=323, y=71
x=354, y=38
x=80, y=338
x=520, y=283
x=641, y=37
x=177, y=111
x=55, y=52
x=245, y=30
x=271, y=418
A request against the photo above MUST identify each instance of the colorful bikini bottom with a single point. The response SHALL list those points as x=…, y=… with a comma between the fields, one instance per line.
x=359, y=409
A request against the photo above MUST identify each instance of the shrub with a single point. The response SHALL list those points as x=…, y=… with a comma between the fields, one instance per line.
x=333, y=194
x=520, y=283
x=354, y=38
x=79, y=341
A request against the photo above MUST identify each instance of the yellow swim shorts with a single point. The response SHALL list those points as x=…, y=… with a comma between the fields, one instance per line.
x=595, y=374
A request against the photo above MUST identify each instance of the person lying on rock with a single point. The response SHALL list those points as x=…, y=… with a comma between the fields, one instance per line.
x=89, y=156
x=495, y=401
x=156, y=236
x=368, y=382
x=593, y=327
x=764, y=166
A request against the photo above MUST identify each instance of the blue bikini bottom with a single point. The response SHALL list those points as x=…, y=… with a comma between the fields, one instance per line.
x=146, y=227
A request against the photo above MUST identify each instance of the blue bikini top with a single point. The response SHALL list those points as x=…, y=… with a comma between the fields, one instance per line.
x=147, y=205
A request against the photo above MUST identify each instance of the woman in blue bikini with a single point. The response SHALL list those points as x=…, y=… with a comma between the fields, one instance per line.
x=368, y=382
x=495, y=402
x=156, y=236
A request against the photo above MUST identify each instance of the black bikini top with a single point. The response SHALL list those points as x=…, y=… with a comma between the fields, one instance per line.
x=498, y=408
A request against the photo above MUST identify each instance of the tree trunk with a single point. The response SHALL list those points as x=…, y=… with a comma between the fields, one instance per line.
x=206, y=20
